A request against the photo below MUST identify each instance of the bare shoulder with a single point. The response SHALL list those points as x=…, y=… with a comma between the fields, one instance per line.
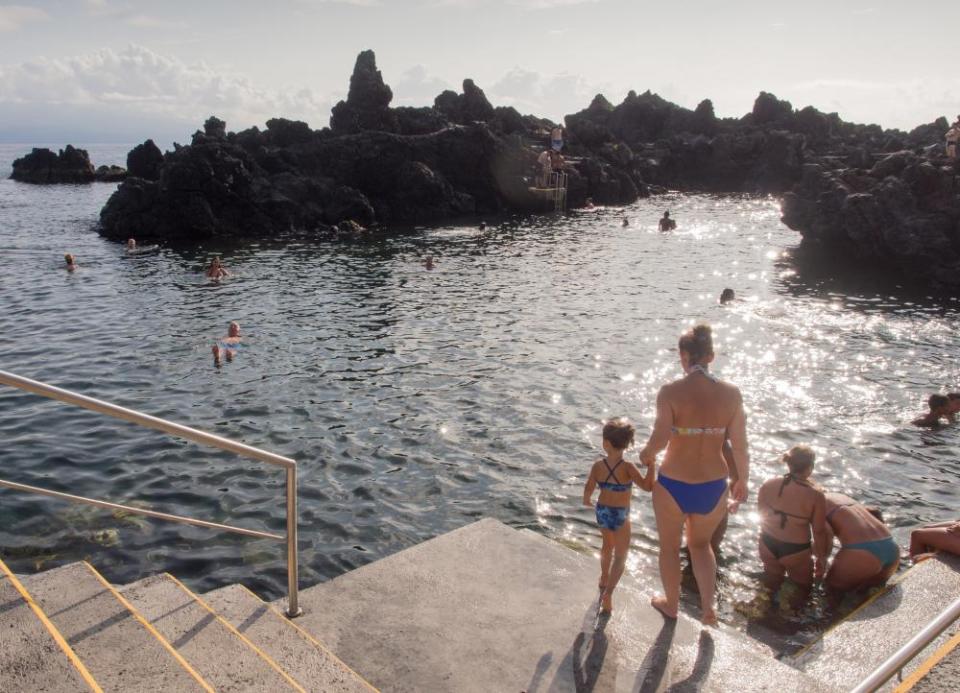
x=595, y=467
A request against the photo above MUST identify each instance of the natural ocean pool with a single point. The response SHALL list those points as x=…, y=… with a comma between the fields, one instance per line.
x=416, y=402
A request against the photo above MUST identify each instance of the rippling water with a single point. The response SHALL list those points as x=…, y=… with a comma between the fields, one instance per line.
x=416, y=401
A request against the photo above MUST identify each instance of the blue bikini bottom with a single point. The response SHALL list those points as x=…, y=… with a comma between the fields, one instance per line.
x=886, y=550
x=612, y=517
x=694, y=499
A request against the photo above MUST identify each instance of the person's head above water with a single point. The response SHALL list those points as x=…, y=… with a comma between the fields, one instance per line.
x=216, y=261
x=234, y=329
x=954, y=401
x=939, y=404
x=696, y=346
x=626, y=222
x=800, y=460
x=666, y=215
x=727, y=295
x=131, y=243
x=483, y=225
x=618, y=433
x=70, y=259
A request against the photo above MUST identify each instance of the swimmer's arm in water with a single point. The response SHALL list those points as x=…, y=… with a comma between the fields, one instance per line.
x=822, y=538
x=590, y=487
x=737, y=435
x=660, y=435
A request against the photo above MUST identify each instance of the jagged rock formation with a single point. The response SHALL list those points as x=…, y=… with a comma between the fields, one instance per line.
x=69, y=165
x=903, y=214
x=374, y=165
x=377, y=164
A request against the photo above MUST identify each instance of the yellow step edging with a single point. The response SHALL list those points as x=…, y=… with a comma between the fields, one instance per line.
x=153, y=631
x=237, y=633
x=52, y=629
x=312, y=640
x=928, y=664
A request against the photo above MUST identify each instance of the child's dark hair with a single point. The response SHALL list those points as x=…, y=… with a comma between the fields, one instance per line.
x=698, y=343
x=937, y=401
x=953, y=395
x=619, y=432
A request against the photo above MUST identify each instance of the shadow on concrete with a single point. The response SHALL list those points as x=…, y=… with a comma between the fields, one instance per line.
x=587, y=670
x=654, y=664
x=701, y=667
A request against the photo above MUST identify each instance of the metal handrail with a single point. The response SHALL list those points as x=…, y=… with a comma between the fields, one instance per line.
x=911, y=649
x=201, y=437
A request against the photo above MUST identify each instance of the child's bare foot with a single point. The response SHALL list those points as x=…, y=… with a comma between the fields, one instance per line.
x=709, y=618
x=660, y=604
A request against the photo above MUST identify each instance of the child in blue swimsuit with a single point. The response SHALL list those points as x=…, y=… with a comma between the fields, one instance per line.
x=615, y=477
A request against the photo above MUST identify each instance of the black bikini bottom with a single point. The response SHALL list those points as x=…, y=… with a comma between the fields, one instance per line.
x=782, y=548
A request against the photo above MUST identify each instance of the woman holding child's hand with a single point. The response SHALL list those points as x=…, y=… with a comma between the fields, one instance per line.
x=695, y=415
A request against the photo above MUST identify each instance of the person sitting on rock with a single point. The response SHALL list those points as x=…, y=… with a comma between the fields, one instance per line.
x=939, y=409
x=930, y=539
x=727, y=296
x=227, y=346
x=666, y=223
x=216, y=270
x=71, y=262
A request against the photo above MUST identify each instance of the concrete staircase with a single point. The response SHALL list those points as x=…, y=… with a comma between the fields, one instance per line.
x=68, y=629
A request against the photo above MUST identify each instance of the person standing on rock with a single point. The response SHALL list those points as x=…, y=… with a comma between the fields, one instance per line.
x=543, y=161
x=695, y=416
x=556, y=138
x=953, y=141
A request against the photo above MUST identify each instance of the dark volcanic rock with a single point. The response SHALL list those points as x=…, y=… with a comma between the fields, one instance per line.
x=110, y=174
x=904, y=214
x=144, y=161
x=470, y=106
x=70, y=165
x=368, y=102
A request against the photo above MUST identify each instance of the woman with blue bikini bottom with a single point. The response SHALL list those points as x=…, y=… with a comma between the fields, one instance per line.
x=695, y=415
x=615, y=477
x=868, y=555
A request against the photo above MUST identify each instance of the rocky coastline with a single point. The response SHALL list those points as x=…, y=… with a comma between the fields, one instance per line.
x=883, y=197
x=70, y=165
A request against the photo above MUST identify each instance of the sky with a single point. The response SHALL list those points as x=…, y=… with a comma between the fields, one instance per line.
x=120, y=71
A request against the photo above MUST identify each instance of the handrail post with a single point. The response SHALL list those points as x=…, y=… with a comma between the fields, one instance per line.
x=293, y=596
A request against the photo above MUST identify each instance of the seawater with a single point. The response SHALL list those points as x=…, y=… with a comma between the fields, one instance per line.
x=418, y=401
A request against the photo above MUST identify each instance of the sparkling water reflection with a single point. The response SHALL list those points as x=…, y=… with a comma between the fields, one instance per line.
x=418, y=401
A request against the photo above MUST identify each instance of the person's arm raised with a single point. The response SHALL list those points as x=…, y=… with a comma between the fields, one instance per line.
x=737, y=434
x=660, y=435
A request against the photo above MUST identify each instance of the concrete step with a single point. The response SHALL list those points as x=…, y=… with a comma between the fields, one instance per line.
x=490, y=608
x=311, y=664
x=853, y=648
x=33, y=654
x=120, y=649
x=218, y=652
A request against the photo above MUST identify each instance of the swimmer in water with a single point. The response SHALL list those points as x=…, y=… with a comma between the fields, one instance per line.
x=216, y=270
x=954, y=398
x=939, y=409
x=227, y=347
x=727, y=296
x=71, y=262
x=666, y=223
x=483, y=226
x=428, y=263
x=625, y=223
x=131, y=245
x=589, y=203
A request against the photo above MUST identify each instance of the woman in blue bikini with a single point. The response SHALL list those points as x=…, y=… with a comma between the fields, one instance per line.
x=868, y=555
x=694, y=416
x=615, y=477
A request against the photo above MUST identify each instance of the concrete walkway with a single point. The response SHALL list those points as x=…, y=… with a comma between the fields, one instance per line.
x=490, y=608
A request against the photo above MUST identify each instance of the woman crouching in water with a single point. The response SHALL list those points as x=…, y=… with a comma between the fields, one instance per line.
x=695, y=415
x=790, y=507
x=868, y=555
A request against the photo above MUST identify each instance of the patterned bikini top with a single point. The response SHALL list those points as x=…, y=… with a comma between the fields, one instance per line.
x=613, y=486
x=686, y=431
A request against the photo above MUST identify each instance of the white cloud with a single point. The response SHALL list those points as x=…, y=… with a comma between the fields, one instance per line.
x=549, y=96
x=417, y=87
x=548, y=4
x=14, y=17
x=138, y=80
